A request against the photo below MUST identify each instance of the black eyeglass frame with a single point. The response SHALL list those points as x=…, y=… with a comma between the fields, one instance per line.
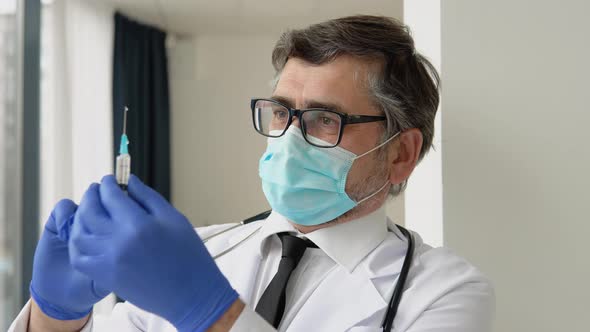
x=345, y=119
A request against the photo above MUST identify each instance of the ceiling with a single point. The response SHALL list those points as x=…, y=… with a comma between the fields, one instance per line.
x=235, y=16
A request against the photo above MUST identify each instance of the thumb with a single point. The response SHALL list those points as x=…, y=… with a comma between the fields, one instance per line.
x=60, y=220
x=147, y=197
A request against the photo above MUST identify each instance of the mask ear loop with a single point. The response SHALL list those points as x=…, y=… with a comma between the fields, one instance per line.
x=378, y=146
x=373, y=194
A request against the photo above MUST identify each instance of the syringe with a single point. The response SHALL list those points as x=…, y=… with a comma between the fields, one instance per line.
x=123, y=164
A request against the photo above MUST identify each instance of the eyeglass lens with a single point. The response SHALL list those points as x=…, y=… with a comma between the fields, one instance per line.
x=320, y=127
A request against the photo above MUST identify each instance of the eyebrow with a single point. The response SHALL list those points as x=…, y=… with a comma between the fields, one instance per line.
x=309, y=103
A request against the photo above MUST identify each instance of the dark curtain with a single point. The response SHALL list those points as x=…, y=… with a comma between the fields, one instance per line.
x=140, y=82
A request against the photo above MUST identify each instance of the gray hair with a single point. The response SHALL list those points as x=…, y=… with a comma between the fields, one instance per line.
x=405, y=89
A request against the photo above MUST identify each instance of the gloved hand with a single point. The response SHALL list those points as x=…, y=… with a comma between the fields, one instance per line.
x=148, y=253
x=60, y=291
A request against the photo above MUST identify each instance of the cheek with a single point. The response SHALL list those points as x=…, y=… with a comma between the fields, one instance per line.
x=361, y=169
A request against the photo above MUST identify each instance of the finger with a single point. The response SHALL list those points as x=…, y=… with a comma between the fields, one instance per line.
x=117, y=204
x=147, y=197
x=61, y=213
x=64, y=230
x=86, y=243
x=91, y=214
x=89, y=265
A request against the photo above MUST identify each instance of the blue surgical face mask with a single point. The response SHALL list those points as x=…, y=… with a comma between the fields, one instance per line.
x=306, y=184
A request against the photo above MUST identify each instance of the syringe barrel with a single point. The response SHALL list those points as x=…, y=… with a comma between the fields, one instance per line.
x=123, y=169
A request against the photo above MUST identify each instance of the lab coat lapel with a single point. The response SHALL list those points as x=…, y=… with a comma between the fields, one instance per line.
x=341, y=301
x=240, y=266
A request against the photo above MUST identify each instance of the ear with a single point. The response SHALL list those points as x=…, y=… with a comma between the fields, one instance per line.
x=407, y=152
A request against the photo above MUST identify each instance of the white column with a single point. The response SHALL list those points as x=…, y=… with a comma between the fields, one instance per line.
x=76, y=127
x=423, y=197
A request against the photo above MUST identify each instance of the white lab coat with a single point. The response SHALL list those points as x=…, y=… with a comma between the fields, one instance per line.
x=443, y=293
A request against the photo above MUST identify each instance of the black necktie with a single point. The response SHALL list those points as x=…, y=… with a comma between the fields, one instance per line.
x=271, y=305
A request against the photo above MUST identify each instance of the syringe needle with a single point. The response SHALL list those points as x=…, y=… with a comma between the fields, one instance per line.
x=125, y=120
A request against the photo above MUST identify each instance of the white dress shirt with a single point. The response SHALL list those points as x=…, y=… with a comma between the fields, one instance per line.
x=344, y=285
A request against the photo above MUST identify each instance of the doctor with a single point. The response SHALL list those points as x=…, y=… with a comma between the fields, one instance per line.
x=351, y=115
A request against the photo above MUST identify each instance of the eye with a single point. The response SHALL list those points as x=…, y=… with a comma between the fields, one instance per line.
x=280, y=114
x=326, y=121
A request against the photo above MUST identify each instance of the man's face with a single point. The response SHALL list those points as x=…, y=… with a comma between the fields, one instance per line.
x=339, y=85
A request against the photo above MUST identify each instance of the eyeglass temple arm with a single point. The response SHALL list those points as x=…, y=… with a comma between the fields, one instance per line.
x=364, y=118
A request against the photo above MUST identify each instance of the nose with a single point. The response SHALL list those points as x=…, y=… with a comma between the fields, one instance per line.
x=295, y=122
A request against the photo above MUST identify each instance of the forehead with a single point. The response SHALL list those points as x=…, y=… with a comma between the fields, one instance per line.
x=340, y=82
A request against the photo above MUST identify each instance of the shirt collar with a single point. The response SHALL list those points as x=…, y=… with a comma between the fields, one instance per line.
x=346, y=243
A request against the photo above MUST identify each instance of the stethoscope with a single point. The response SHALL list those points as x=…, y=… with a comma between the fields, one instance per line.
x=393, y=305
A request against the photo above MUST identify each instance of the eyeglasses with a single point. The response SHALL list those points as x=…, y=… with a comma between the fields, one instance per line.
x=320, y=127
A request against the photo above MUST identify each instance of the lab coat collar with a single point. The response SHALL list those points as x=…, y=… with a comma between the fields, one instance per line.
x=273, y=224
x=346, y=243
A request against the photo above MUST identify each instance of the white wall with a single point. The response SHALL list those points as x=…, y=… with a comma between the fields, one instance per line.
x=516, y=157
x=215, y=150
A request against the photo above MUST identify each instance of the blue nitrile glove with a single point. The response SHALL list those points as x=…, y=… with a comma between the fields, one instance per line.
x=60, y=291
x=148, y=253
